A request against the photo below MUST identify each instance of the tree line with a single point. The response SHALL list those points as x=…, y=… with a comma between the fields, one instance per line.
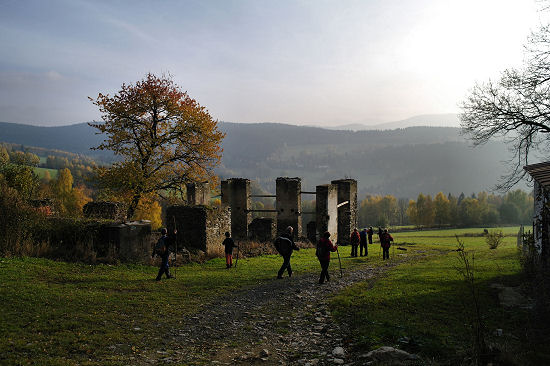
x=514, y=207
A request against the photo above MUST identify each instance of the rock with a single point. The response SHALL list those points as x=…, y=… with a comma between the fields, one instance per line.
x=264, y=353
x=338, y=361
x=389, y=356
x=338, y=352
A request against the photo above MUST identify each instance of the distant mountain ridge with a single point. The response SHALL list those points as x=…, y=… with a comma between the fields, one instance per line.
x=426, y=120
x=403, y=161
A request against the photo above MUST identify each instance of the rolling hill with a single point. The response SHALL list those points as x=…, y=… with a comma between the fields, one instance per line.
x=402, y=162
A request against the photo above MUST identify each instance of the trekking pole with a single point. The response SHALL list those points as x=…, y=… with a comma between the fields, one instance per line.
x=176, y=252
x=339, y=262
x=237, y=260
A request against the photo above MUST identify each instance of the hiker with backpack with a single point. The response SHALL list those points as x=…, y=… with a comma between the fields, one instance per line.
x=385, y=243
x=324, y=247
x=354, y=241
x=229, y=244
x=285, y=245
x=162, y=250
x=363, y=243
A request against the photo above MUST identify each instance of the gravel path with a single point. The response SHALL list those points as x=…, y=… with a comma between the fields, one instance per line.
x=281, y=322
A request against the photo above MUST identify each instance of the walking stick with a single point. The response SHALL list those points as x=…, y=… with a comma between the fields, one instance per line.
x=176, y=252
x=339, y=262
x=237, y=260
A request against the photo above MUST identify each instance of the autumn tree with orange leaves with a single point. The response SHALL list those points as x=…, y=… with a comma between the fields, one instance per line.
x=164, y=137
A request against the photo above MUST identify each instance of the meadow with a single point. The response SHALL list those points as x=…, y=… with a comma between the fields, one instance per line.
x=425, y=306
x=67, y=313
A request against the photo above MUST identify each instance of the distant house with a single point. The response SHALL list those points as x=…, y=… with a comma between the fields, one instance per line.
x=541, y=218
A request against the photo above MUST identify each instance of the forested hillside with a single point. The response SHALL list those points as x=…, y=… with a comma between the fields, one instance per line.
x=402, y=162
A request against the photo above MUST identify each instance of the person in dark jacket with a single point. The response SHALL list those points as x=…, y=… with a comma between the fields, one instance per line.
x=324, y=247
x=354, y=241
x=363, y=243
x=380, y=232
x=285, y=247
x=370, y=233
x=162, y=249
x=229, y=244
x=385, y=242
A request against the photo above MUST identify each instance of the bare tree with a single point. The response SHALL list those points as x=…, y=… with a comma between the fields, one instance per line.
x=515, y=108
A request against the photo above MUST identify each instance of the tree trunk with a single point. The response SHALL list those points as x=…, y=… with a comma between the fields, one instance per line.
x=133, y=206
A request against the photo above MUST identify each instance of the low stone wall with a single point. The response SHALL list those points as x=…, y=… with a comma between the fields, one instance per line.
x=93, y=241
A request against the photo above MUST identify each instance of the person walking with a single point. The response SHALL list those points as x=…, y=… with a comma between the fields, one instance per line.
x=285, y=245
x=162, y=249
x=324, y=247
x=229, y=244
x=363, y=243
x=370, y=233
x=354, y=241
x=385, y=242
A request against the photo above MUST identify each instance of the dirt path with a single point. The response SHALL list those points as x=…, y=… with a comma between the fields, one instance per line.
x=281, y=322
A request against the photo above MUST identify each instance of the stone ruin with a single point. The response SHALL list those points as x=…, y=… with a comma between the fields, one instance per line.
x=202, y=227
x=105, y=210
x=198, y=227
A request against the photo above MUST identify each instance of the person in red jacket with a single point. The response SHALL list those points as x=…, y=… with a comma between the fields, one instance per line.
x=324, y=247
x=385, y=242
x=354, y=241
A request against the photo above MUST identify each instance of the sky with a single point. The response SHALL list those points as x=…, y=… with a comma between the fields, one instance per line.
x=314, y=62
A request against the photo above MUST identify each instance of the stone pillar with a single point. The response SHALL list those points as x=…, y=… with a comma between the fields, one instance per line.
x=326, y=212
x=198, y=193
x=236, y=194
x=289, y=205
x=347, y=213
x=226, y=192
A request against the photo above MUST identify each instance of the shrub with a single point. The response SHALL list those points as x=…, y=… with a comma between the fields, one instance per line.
x=17, y=219
x=494, y=238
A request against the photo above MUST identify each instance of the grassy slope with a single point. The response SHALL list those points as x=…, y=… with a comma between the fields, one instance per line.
x=426, y=300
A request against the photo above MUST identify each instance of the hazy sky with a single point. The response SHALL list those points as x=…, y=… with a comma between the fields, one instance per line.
x=301, y=62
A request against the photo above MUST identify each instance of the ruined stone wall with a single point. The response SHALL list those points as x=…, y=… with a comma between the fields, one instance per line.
x=130, y=241
x=236, y=194
x=105, y=210
x=289, y=205
x=199, y=227
x=218, y=222
x=347, y=214
x=262, y=229
x=326, y=200
x=91, y=241
x=198, y=193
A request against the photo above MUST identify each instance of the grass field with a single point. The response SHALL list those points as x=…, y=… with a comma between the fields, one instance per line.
x=59, y=313
x=65, y=313
x=424, y=306
x=40, y=172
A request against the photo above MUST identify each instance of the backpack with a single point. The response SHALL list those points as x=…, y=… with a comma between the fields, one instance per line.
x=283, y=245
x=321, y=249
x=160, y=247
